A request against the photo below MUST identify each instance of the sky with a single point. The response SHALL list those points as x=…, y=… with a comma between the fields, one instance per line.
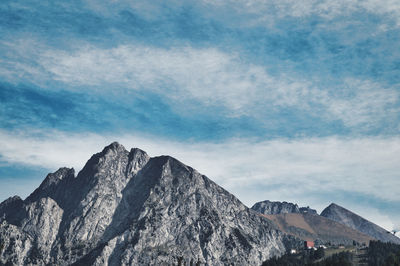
x=282, y=100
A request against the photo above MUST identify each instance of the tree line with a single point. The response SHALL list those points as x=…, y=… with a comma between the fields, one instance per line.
x=378, y=254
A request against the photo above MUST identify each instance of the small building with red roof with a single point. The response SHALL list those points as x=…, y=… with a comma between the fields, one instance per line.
x=308, y=244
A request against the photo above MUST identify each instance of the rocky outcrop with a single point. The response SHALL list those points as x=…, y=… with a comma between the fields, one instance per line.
x=308, y=210
x=352, y=220
x=277, y=207
x=125, y=208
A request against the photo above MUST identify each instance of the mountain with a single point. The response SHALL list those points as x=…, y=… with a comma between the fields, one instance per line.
x=308, y=210
x=125, y=208
x=352, y=220
x=312, y=227
x=305, y=223
x=277, y=207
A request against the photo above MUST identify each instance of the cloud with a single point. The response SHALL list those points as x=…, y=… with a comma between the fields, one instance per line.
x=278, y=7
x=364, y=103
x=250, y=13
x=312, y=164
x=289, y=72
x=265, y=10
x=206, y=74
x=209, y=77
x=280, y=169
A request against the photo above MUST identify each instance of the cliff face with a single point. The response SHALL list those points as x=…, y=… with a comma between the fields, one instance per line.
x=343, y=216
x=277, y=207
x=125, y=208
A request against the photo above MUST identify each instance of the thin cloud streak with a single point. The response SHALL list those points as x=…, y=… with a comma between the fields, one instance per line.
x=247, y=13
x=346, y=164
x=254, y=171
x=210, y=77
x=265, y=10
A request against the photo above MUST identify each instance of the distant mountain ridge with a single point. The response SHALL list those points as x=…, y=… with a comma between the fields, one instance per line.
x=352, y=220
x=277, y=207
x=316, y=228
x=305, y=223
x=125, y=208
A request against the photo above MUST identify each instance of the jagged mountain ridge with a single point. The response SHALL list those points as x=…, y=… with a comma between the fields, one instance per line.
x=125, y=208
x=316, y=228
x=343, y=216
x=298, y=222
x=276, y=207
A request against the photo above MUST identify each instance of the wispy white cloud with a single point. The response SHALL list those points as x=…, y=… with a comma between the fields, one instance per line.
x=266, y=10
x=20, y=63
x=277, y=169
x=280, y=7
x=364, y=103
x=253, y=12
x=209, y=76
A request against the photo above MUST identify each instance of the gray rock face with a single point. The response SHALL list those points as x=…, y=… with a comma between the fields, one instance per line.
x=308, y=210
x=277, y=207
x=125, y=208
x=352, y=220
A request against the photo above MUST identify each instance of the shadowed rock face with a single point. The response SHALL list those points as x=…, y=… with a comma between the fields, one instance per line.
x=352, y=220
x=125, y=208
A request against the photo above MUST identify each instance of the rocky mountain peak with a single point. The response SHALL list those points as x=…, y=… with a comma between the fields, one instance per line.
x=113, y=155
x=115, y=147
x=11, y=203
x=61, y=174
x=343, y=216
x=276, y=207
x=11, y=200
x=338, y=212
x=137, y=159
x=50, y=187
x=332, y=206
x=11, y=210
x=137, y=153
x=127, y=208
x=308, y=210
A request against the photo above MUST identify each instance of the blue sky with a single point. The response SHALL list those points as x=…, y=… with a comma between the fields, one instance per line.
x=279, y=100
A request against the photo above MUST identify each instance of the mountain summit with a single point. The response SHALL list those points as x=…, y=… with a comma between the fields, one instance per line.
x=125, y=208
x=341, y=215
x=276, y=207
x=305, y=223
